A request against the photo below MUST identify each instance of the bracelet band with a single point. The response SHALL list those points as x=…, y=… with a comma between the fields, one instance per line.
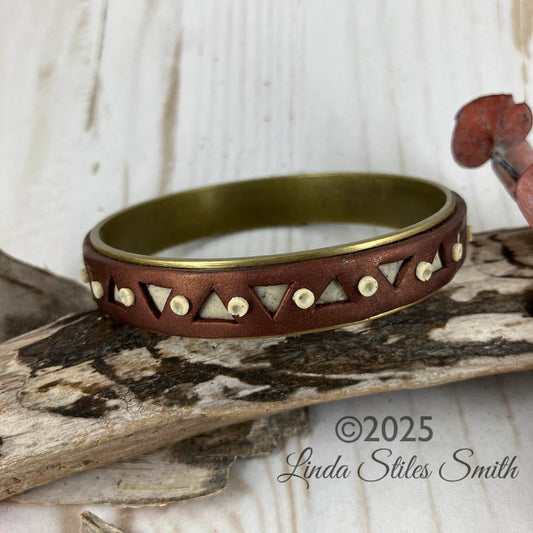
x=278, y=294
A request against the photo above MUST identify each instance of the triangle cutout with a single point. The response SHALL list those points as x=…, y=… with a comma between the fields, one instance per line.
x=437, y=263
x=391, y=270
x=159, y=296
x=112, y=290
x=332, y=293
x=214, y=308
x=271, y=295
x=116, y=296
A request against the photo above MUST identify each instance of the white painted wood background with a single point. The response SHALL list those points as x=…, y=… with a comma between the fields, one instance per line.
x=104, y=104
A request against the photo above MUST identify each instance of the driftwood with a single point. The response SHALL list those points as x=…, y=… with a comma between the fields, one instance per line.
x=32, y=297
x=87, y=391
x=194, y=467
x=90, y=523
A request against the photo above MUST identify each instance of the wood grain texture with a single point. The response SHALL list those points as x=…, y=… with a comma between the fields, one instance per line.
x=90, y=523
x=196, y=467
x=104, y=386
x=199, y=466
x=118, y=102
x=31, y=297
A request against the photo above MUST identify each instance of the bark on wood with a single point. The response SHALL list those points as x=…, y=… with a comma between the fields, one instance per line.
x=31, y=297
x=87, y=391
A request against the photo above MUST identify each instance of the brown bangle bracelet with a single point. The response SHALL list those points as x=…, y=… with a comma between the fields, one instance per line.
x=285, y=293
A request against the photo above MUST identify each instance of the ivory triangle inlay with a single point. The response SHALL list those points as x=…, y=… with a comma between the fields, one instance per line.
x=159, y=295
x=391, y=270
x=271, y=295
x=437, y=263
x=332, y=293
x=214, y=308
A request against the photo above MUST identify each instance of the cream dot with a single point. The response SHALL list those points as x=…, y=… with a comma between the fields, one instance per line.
x=180, y=305
x=98, y=290
x=304, y=298
x=424, y=270
x=469, y=236
x=83, y=275
x=367, y=286
x=457, y=251
x=238, y=306
x=126, y=297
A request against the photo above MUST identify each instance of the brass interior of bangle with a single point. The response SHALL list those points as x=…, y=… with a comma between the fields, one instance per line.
x=137, y=232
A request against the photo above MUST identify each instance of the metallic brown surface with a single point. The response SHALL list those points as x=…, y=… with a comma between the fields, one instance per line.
x=314, y=274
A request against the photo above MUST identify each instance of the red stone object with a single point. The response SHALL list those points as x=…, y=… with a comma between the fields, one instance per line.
x=495, y=127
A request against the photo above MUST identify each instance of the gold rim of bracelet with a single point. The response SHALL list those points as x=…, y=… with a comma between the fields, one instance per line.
x=150, y=216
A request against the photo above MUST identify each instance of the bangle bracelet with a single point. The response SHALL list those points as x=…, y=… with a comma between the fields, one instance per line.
x=285, y=293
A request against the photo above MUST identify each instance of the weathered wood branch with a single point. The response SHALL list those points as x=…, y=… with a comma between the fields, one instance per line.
x=87, y=391
x=31, y=297
x=90, y=523
x=191, y=468
x=194, y=467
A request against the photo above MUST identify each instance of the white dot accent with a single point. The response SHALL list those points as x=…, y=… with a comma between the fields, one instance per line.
x=180, y=305
x=238, y=306
x=367, y=286
x=98, y=290
x=424, y=271
x=83, y=275
x=126, y=297
x=469, y=235
x=303, y=298
x=457, y=251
